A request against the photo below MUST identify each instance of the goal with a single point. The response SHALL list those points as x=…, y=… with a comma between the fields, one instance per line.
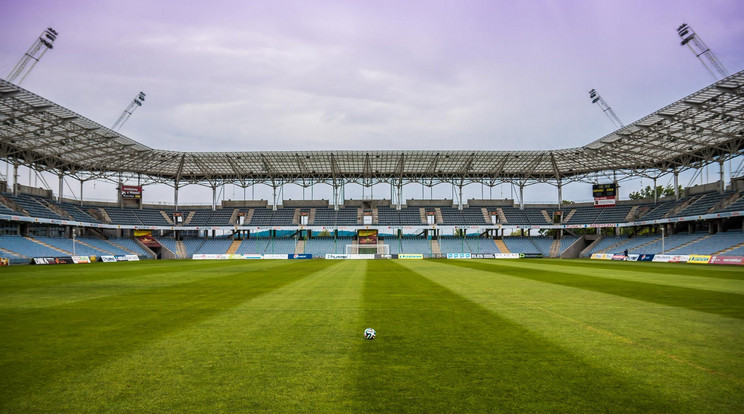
x=379, y=248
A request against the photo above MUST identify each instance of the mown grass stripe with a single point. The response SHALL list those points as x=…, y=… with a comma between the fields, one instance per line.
x=80, y=336
x=721, y=303
x=690, y=357
x=436, y=344
x=682, y=269
x=657, y=273
x=284, y=351
x=98, y=283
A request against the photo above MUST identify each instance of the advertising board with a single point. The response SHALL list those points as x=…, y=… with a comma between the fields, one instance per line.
x=52, y=260
x=459, y=255
x=410, y=256
x=727, y=260
x=664, y=258
x=80, y=259
x=275, y=256
x=698, y=258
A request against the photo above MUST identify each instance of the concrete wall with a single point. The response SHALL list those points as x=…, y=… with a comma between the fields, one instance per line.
x=428, y=203
x=242, y=203
x=473, y=202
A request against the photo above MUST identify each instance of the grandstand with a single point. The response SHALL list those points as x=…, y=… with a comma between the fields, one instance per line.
x=706, y=219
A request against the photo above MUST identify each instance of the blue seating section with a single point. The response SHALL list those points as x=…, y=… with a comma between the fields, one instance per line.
x=129, y=245
x=320, y=246
x=27, y=247
x=521, y=245
x=606, y=243
x=711, y=244
x=387, y=215
x=214, y=246
x=169, y=244
x=415, y=245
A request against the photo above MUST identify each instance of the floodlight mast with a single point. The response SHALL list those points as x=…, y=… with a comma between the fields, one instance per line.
x=597, y=99
x=700, y=49
x=34, y=54
x=136, y=103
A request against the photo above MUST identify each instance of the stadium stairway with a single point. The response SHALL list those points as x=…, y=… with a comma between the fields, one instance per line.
x=234, y=246
x=569, y=215
x=166, y=217
x=546, y=216
x=121, y=247
x=91, y=246
x=300, y=247
x=502, y=216
x=486, y=216
x=46, y=245
x=435, y=247
x=555, y=248
x=11, y=253
x=653, y=240
x=181, y=248
x=631, y=214
x=730, y=248
x=58, y=210
x=104, y=215
x=614, y=246
x=692, y=241
x=501, y=246
x=438, y=215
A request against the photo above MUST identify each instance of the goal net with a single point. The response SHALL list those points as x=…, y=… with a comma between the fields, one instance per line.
x=356, y=248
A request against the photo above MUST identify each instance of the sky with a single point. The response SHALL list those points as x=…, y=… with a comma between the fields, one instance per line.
x=324, y=75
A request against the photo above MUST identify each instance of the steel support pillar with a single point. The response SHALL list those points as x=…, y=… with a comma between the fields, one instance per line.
x=273, y=207
x=61, y=186
x=460, y=205
x=521, y=196
x=214, y=198
x=676, y=185
x=15, y=179
x=400, y=196
x=335, y=197
x=560, y=195
x=175, y=196
x=723, y=182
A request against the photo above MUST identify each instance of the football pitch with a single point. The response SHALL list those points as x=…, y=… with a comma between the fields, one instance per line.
x=452, y=336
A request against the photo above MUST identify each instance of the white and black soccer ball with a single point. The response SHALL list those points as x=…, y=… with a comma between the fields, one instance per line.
x=369, y=333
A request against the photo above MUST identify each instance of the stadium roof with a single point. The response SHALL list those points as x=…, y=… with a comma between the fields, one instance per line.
x=698, y=129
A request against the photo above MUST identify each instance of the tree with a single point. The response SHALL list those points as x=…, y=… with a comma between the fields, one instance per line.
x=648, y=192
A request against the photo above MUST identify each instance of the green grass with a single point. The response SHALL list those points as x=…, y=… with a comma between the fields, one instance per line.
x=453, y=336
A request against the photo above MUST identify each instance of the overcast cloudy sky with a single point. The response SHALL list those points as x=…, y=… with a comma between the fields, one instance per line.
x=298, y=75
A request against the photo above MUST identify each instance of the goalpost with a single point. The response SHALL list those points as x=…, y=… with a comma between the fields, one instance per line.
x=367, y=242
x=356, y=248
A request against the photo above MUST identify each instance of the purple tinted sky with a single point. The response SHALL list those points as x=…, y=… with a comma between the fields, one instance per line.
x=289, y=75
x=386, y=74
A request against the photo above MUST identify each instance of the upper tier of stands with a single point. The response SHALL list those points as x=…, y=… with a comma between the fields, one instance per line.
x=705, y=203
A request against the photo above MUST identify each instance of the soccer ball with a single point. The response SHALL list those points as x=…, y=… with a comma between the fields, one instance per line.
x=369, y=333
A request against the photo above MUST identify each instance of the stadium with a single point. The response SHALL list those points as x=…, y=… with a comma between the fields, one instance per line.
x=701, y=129
x=610, y=305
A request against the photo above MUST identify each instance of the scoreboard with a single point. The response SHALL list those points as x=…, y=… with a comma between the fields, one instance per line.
x=131, y=191
x=604, y=195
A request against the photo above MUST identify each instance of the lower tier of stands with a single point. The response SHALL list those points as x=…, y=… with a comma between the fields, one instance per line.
x=21, y=249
